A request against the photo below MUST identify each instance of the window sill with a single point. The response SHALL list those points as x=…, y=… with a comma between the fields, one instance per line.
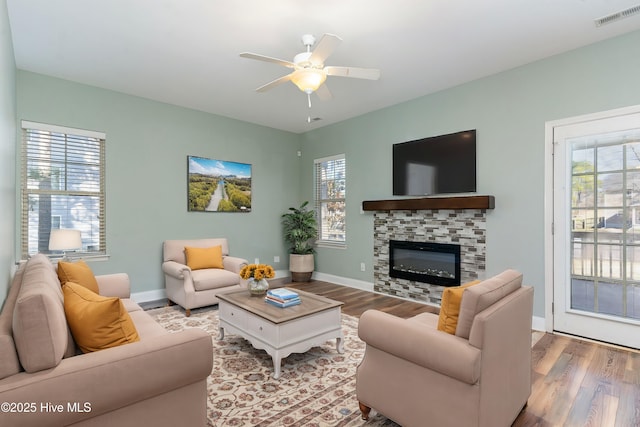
x=331, y=245
x=86, y=258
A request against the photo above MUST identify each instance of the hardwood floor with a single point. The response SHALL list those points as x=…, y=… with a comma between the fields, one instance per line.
x=574, y=382
x=357, y=301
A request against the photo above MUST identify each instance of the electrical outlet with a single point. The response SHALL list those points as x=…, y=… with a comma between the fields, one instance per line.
x=362, y=266
x=276, y=258
x=256, y=261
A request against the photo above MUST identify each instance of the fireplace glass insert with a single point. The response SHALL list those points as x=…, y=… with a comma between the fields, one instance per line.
x=434, y=263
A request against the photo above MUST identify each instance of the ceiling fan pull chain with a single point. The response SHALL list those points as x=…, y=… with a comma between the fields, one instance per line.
x=309, y=99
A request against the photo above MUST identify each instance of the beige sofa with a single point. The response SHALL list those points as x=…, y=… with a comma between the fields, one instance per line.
x=198, y=288
x=46, y=382
x=417, y=375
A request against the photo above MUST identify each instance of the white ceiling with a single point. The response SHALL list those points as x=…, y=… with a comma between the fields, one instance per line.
x=186, y=52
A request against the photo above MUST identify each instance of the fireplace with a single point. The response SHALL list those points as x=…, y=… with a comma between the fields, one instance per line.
x=427, y=262
x=465, y=226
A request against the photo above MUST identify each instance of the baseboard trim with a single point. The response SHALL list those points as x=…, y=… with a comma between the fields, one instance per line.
x=146, y=296
x=538, y=324
x=281, y=274
x=345, y=281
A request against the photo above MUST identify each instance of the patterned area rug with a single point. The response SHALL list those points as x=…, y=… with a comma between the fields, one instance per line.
x=316, y=388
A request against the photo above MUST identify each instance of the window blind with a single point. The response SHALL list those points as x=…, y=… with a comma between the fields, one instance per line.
x=330, y=199
x=62, y=186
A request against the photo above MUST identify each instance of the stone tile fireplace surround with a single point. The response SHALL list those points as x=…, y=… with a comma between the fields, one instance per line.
x=452, y=220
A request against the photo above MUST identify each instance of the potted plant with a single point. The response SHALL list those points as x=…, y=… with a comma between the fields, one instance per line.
x=300, y=231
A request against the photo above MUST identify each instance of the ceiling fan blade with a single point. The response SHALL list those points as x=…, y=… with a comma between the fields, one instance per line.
x=324, y=93
x=274, y=83
x=264, y=58
x=324, y=48
x=358, y=73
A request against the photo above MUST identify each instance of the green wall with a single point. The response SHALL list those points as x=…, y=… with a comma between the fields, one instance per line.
x=509, y=111
x=147, y=147
x=7, y=153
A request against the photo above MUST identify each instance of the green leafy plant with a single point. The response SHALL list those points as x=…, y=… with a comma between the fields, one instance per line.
x=300, y=229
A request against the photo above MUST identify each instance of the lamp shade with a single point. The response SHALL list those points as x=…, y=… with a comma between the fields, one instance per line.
x=64, y=240
x=308, y=80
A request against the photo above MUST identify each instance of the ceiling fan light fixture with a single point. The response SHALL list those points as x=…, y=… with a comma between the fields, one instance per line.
x=308, y=80
x=309, y=72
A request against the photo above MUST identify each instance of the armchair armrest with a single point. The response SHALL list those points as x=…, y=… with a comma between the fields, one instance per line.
x=432, y=349
x=234, y=264
x=114, y=285
x=113, y=378
x=175, y=269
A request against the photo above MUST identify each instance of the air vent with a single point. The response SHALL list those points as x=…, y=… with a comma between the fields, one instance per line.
x=617, y=16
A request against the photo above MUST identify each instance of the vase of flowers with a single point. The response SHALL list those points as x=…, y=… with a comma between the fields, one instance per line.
x=256, y=276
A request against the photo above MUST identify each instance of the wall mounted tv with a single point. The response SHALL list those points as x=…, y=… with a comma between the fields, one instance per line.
x=442, y=164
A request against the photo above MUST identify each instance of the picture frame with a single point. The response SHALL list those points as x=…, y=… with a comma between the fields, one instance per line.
x=218, y=185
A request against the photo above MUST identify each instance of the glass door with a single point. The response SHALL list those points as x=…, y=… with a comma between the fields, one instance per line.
x=597, y=229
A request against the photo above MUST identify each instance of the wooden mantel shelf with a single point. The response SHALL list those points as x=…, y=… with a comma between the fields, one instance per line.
x=426, y=203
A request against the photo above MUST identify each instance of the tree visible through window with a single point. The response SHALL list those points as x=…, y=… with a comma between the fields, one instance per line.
x=62, y=186
x=330, y=178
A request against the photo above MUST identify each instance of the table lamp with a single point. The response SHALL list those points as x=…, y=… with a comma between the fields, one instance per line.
x=64, y=240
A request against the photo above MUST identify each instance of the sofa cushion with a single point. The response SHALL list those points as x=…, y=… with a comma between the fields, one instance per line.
x=97, y=322
x=479, y=297
x=450, y=307
x=9, y=362
x=213, y=278
x=146, y=326
x=201, y=258
x=77, y=272
x=40, y=330
x=130, y=305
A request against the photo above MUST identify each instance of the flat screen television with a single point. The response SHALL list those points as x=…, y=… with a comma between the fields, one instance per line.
x=442, y=164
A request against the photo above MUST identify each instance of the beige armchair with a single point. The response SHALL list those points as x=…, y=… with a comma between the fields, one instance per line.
x=198, y=288
x=417, y=375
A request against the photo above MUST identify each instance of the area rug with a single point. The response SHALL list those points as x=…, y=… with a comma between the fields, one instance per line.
x=316, y=388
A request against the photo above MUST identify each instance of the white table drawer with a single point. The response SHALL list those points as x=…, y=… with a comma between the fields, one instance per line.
x=233, y=315
x=262, y=329
x=309, y=326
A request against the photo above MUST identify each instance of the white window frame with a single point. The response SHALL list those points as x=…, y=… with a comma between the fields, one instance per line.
x=319, y=201
x=64, y=141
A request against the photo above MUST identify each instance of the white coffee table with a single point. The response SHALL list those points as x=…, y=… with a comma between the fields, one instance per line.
x=281, y=331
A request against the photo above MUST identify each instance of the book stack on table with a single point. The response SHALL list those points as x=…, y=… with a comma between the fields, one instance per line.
x=282, y=297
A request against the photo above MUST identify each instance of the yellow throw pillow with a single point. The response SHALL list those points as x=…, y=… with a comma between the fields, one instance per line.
x=96, y=322
x=450, y=307
x=77, y=272
x=199, y=258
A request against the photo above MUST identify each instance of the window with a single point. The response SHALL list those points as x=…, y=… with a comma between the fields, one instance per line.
x=62, y=186
x=330, y=178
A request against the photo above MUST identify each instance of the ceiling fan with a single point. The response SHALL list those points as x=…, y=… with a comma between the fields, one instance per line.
x=309, y=72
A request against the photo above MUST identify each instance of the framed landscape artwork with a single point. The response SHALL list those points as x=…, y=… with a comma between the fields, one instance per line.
x=218, y=185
